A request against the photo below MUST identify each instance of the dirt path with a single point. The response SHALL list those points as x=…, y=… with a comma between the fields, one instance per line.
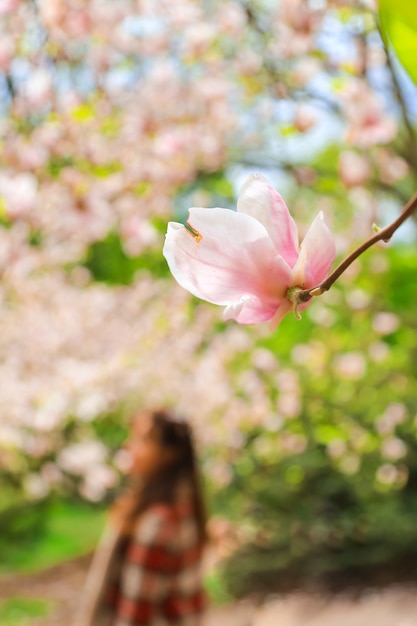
x=393, y=606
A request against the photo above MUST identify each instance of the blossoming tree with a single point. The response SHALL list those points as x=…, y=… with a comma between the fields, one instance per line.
x=118, y=116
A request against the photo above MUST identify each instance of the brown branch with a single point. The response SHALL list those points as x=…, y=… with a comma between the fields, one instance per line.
x=382, y=235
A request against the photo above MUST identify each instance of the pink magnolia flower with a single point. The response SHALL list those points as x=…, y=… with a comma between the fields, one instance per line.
x=248, y=259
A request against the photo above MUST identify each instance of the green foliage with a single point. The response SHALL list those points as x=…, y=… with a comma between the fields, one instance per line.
x=46, y=533
x=330, y=492
x=108, y=262
x=21, y=524
x=58, y=163
x=111, y=430
x=216, y=590
x=208, y=189
x=19, y=611
x=399, y=27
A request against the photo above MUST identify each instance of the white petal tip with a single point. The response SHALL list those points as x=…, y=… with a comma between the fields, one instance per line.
x=231, y=312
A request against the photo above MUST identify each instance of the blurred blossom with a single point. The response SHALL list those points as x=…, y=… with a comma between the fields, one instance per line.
x=305, y=175
x=90, y=405
x=378, y=351
x=236, y=439
x=219, y=472
x=304, y=118
x=198, y=39
x=368, y=124
x=336, y=448
x=292, y=442
x=80, y=277
x=8, y=5
x=350, y=464
x=394, y=414
x=264, y=360
x=366, y=209
x=289, y=405
x=239, y=339
x=379, y=263
x=354, y=168
x=97, y=480
x=137, y=235
x=385, y=323
x=123, y=460
x=387, y=474
x=249, y=62
x=305, y=69
x=37, y=445
x=312, y=355
x=351, y=365
x=264, y=448
x=358, y=299
x=391, y=166
x=51, y=412
x=53, y=12
x=28, y=154
x=287, y=380
x=10, y=436
x=359, y=439
x=35, y=487
x=322, y=315
x=231, y=19
x=78, y=458
x=38, y=89
x=19, y=193
x=7, y=50
x=300, y=353
x=295, y=22
x=393, y=448
x=51, y=474
x=273, y=422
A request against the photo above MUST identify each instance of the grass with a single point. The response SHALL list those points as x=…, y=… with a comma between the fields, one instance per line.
x=70, y=530
x=19, y=611
x=215, y=589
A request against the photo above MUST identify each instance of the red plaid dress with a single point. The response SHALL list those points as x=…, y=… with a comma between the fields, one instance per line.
x=160, y=581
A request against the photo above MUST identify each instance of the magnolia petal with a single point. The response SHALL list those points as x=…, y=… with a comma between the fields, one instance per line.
x=285, y=308
x=320, y=251
x=232, y=311
x=229, y=256
x=260, y=200
x=298, y=273
x=249, y=310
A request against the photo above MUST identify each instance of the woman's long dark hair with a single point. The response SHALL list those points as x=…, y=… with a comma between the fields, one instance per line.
x=175, y=435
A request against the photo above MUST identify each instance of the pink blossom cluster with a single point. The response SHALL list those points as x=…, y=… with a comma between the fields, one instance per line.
x=109, y=111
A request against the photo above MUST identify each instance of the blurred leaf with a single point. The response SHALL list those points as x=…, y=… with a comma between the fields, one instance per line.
x=108, y=262
x=69, y=529
x=83, y=112
x=398, y=20
x=57, y=163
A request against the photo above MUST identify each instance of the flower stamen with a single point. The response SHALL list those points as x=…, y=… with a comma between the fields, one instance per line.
x=194, y=232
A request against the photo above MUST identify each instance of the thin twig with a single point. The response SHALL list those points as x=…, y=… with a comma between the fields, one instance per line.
x=384, y=234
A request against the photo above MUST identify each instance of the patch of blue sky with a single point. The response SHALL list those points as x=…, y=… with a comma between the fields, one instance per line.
x=5, y=96
x=143, y=27
x=68, y=77
x=335, y=40
x=120, y=78
x=20, y=71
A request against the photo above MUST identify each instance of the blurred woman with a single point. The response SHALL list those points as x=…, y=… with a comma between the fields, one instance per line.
x=147, y=569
